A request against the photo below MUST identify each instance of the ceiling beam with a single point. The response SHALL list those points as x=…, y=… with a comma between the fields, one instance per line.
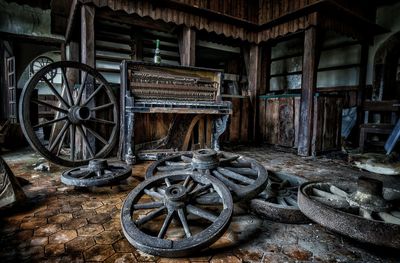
x=71, y=19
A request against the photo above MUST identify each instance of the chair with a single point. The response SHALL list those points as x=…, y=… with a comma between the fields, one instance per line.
x=387, y=113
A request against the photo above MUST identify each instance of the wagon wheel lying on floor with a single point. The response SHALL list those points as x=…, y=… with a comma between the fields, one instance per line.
x=245, y=177
x=99, y=172
x=355, y=209
x=161, y=216
x=278, y=201
x=83, y=121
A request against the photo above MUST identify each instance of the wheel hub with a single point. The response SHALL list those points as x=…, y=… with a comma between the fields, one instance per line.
x=369, y=195
x=98, y=166
x=204, y=159
x=77, y=114
x=278, y=189
x=176, y=193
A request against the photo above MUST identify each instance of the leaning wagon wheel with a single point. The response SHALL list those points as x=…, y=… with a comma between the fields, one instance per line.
x=161, y=216
x=79, y=133
x=243, y=176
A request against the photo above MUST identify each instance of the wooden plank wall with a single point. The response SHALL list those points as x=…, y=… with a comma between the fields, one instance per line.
x=280, y=125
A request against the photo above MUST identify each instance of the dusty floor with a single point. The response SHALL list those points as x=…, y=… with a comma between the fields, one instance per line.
x=59, y=223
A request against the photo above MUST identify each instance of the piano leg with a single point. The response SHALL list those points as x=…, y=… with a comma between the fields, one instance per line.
x=130, y=157
x=219, y=127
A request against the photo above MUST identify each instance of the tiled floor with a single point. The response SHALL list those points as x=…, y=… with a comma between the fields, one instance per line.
x=59, y=223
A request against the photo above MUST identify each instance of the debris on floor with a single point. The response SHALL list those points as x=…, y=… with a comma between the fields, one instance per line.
x=66, y=223
x=377, y=163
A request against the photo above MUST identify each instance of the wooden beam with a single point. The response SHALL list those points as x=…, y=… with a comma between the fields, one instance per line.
x=362, y=84
x=71, y=19
x=87, y=35
x=187, y=46
x=254, y=75
x=88, y=57
x=312, y=51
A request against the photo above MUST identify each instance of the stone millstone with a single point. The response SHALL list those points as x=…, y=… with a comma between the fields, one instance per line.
x=10, y=189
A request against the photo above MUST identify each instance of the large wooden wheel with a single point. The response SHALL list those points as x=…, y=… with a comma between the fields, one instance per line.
x=82, y=120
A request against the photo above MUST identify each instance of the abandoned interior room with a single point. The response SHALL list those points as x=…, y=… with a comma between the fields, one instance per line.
x=199, y=131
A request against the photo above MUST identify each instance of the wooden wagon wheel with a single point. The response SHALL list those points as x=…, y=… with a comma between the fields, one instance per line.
x=79, y=133
x=162, y=215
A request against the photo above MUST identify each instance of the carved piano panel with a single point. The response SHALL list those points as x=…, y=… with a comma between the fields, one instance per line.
x=151, y=88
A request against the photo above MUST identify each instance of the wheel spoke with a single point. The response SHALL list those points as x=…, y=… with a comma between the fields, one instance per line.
x=61, y=143
x=150, y=216
x=95, y=134
x=230, y=159
x=187, y=180
x=396, y=213
x=184, y=222
x=227, y=182
x=56, y=93
x=72, y=131
x=327, y=195
x=85, y=140
x=170, y=163
x=102, y=121
x=339, y=204
x=365, y=213
x=102, y=107
x=165, y=225
x=69, y=94
x=235, y=176
x=186, y=159
x=388, y=218
x=49, y=105
x=244, y=171
x=149, y=205
x=167, y=182
x=281, y=201
x=194, y=210
x=93, y=94
x=153, y=194
x=50, y=122
x=200, y=190
x=59, y=136
x=291, y=201
x=82, y=87
x=337, y=191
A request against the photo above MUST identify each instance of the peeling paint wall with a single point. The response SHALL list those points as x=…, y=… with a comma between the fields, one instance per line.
x=25, y=20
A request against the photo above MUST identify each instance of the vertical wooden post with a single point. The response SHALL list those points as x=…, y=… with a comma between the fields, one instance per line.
x=255, y=79
x=87, y=35
x=312, y=51
x=187, y=47
x=362, y=83
x=88, y=57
